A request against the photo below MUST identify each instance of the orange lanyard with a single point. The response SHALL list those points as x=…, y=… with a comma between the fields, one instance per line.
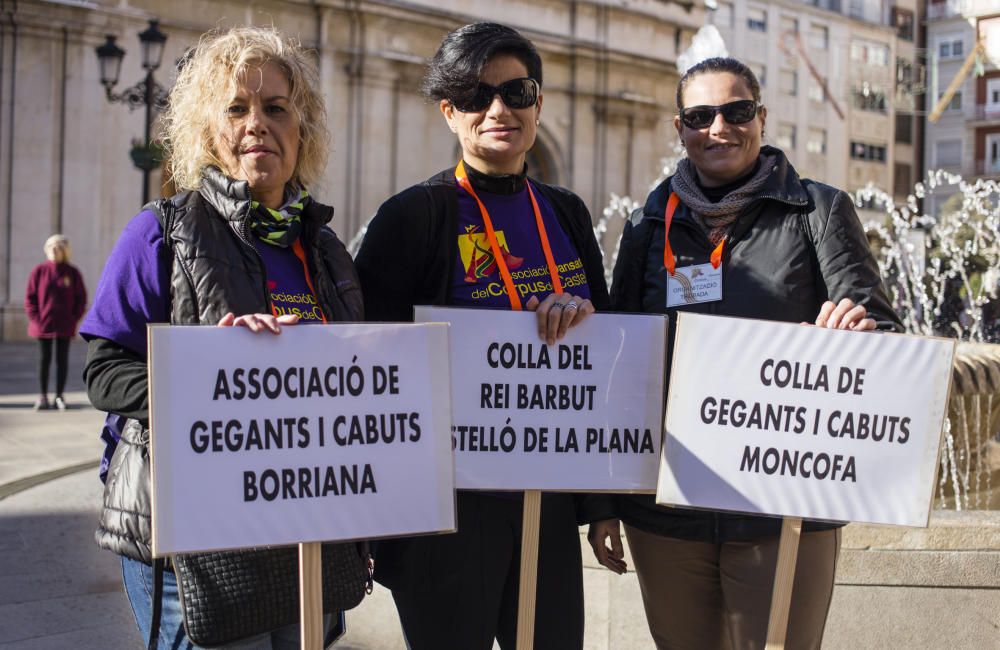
x=508, y=281
x=669, y=262
x=301, y=254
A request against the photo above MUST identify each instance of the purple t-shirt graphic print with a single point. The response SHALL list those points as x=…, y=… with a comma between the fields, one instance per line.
x=477, y=281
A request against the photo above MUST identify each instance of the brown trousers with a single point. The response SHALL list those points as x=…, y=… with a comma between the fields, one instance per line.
x=707, y=596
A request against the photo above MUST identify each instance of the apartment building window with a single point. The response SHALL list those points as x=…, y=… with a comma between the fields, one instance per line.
x=902, y=179
x=992, y=162
x=869, y=98
x=760, y=71
x=870, y=11
x=902, y=20
x=906, y=74
x=956, y=101
x=789, y=82
x=819, y=36
x=947, y=153
x=786, y=137
x=870, y=53
x=951, y=47
x=816, y=140
x=816, y=91
x=904, y=128
x=724, y=15
x=989, y=32
x=757, y=19
x=993, y=95
x=864, y=151
x=789, y=24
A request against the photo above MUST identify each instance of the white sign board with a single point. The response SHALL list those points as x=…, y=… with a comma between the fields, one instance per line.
x=801, y=421
x=321, y=433
x=583, y=414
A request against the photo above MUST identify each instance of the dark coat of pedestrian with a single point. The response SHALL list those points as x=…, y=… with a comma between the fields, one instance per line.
x=54, y=301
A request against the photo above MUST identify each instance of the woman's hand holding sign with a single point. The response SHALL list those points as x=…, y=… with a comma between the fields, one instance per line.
x=844, y=315
x=258, y=322
x=557, y=313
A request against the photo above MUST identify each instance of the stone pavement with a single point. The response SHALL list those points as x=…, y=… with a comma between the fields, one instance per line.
x=59, y=590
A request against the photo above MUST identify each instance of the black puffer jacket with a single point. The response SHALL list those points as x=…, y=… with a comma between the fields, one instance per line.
x=799, y=245
x=214, y=270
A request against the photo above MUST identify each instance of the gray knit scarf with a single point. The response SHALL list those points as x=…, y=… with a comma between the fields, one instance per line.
x=717, y=217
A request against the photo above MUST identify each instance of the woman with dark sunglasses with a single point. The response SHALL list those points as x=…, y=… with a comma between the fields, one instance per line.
x=782, y=248
x=482, y=234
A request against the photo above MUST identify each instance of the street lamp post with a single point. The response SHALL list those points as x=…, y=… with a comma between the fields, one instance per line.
x=148, y=93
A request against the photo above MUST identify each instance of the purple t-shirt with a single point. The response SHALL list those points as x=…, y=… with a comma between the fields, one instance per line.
x=477, y=281
x=134, y=290
x=286, y=282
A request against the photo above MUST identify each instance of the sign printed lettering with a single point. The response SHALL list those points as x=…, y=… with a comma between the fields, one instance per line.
x=262, y=440
x=802, y=421
x=582, y=414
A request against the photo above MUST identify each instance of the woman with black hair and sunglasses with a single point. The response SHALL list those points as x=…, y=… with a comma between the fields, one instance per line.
x=782, y=248
x=482, y=234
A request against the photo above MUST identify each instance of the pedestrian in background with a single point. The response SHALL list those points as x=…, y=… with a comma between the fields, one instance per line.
x=54, y=302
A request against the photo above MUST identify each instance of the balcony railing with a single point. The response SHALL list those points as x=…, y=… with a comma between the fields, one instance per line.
x=985, y=112
x=947, y=9
x=983, y=168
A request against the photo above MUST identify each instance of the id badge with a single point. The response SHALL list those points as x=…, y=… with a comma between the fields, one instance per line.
x=694, y=284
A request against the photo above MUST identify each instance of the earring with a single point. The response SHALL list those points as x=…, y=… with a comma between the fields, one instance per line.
x=537, y=121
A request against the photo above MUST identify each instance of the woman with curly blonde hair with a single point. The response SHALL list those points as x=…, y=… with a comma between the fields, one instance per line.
x=244, y=244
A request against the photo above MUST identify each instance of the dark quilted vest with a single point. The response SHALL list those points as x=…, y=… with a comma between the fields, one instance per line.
x=215, y=270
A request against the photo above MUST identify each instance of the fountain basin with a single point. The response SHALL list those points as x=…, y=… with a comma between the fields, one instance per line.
x=935, y=587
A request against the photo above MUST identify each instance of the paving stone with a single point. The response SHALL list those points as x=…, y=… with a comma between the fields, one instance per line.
x=920, y=568
x=892, y=617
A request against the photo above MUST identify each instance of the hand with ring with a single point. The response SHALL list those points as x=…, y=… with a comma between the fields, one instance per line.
x=557, y=313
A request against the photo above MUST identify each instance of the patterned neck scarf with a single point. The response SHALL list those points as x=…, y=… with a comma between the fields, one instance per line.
x=717, y=217
x=279, y=227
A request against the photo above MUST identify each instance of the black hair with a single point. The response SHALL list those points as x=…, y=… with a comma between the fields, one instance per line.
x=453, y=73
x=719, y=64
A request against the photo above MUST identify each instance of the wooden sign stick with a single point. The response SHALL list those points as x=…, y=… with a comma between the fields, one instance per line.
x=530, y=524
x=784, y=579
x=311, y=595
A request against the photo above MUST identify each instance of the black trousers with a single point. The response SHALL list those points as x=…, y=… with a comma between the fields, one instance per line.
x=62, y=364
x=460, y=591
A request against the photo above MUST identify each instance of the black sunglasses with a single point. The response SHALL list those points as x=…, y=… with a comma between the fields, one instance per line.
x=516, y=93
x=738, y=112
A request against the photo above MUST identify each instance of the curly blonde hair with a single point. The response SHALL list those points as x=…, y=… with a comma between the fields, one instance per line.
x=208, y=81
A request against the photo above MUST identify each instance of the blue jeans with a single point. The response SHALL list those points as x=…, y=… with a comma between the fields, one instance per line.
x=138, y=579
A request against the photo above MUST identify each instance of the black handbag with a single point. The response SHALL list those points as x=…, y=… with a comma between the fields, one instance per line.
x=230, y=595
x=225, y=595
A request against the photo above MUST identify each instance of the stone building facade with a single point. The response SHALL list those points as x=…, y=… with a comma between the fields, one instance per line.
x=610, y=76
x=965, y=139
x=841, y=82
